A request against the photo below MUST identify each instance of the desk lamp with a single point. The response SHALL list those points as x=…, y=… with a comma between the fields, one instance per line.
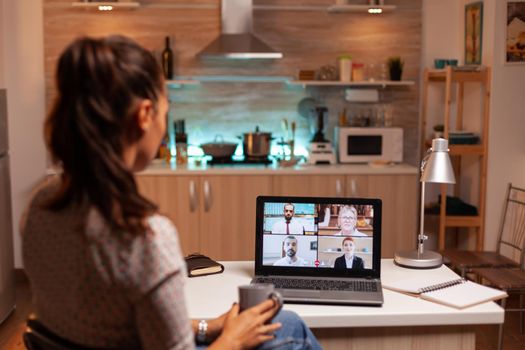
x=435, y=168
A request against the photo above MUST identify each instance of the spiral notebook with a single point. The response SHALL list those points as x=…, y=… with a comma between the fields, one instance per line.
x=459, y=293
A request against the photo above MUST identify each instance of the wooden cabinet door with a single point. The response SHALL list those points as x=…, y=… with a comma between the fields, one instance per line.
x=309, y=185
x=399, y=224
x=178, y=199
x=356, y=186
x=228, y=215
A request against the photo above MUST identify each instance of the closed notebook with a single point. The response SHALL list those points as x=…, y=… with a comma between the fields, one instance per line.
x=458, y=293
x=201, y=265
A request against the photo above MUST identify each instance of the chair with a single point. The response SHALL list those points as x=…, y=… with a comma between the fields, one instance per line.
x=511, y=242
x=38, y=337
x=510, y=280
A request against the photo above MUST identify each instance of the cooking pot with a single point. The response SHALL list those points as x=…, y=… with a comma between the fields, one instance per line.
x=219, y=148
x=256, y=144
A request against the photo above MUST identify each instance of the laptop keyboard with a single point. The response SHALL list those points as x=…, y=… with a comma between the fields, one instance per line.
x=313, y=284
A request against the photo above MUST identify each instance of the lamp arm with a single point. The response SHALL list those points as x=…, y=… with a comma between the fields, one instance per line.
x=421, y=237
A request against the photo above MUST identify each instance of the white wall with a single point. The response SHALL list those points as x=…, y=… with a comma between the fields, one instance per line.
x=2, y=44
x=21, y=35
x=440, y=39
x=507, y=126
x=506, y=158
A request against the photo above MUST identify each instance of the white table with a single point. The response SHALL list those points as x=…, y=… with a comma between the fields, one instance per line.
x=403, y=322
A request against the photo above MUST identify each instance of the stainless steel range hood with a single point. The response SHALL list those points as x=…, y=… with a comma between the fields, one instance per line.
x=236, y=40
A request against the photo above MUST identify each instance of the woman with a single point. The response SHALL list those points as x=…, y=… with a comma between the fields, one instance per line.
x=347, y=221
x=349, y=260
x=105, y=268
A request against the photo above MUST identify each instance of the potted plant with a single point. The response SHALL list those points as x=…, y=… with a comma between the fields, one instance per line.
x=438, y=130
x=395, y=67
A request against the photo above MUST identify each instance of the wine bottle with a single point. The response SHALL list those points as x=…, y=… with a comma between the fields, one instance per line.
x=167, y=60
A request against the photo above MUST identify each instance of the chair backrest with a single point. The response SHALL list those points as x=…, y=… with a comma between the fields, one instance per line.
x=511, y=241
x=38, y=337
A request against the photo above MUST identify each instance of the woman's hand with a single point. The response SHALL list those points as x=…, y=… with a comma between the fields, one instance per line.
x=215, y=327
x=248, y=329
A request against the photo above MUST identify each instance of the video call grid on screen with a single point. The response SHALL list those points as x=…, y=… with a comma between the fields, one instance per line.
x=328, y=235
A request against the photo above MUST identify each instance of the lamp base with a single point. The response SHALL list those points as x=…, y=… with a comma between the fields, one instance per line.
x=414, y=260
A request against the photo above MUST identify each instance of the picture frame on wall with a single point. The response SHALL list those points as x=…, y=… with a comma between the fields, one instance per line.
x=473, y=32
x=515, y=33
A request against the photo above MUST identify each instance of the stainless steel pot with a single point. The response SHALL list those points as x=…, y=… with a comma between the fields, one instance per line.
x=219, y=148
x=256, y=144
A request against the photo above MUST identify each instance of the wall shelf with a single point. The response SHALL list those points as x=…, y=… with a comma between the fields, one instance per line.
x=382, y=83
x=174, y=84
x=196, y=80
x=330, y=9
x=361, y=8
x=106, y=5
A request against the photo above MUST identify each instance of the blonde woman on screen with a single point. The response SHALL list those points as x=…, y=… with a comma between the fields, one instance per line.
x=347, y=221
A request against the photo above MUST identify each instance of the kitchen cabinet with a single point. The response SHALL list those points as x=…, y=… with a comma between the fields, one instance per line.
x=177, y=198
x=214, y=215
x=310, y=185
x=228, y=215
x=398, y=194
x=400, y=204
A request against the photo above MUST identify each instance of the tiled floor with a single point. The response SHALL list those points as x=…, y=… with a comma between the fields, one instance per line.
x=486, y=336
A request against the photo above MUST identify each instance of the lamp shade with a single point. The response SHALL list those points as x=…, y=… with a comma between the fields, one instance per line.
x=437, y=168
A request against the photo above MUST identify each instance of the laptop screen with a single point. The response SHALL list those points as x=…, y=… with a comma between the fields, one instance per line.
x=317, y=236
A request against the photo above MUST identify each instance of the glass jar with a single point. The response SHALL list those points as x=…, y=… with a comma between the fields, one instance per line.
x=181, y=148
x=358, y=72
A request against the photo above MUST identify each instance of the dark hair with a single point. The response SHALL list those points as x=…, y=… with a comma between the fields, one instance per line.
x=100, y=83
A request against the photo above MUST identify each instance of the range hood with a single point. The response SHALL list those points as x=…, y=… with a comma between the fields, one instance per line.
x=236, y=40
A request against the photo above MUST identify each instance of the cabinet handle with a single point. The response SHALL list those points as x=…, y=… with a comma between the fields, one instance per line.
x=353, y=188
x=338, y=188
x=207, y=195
x=193, y=197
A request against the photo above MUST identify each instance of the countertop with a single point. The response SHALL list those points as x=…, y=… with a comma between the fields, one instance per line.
x=163, y=168
x=398, y=309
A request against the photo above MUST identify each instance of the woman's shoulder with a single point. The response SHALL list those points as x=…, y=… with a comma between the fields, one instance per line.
x=39, y=195
x=45, y=188
x=160, y=223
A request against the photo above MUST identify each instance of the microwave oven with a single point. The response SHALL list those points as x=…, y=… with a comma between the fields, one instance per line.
x=363, y=145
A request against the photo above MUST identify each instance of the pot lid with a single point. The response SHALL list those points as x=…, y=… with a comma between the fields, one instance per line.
x=219, y=142
x=257, y=131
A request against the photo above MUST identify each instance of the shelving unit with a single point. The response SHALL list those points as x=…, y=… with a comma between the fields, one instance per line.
x=450, y=78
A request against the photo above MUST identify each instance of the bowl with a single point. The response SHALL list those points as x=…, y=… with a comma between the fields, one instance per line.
x=219, y=148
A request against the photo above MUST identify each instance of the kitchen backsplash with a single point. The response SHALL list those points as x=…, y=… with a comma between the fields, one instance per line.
x=308, y=39
x=229, y=109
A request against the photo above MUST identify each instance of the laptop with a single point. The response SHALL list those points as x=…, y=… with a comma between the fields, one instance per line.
x=319, y=250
